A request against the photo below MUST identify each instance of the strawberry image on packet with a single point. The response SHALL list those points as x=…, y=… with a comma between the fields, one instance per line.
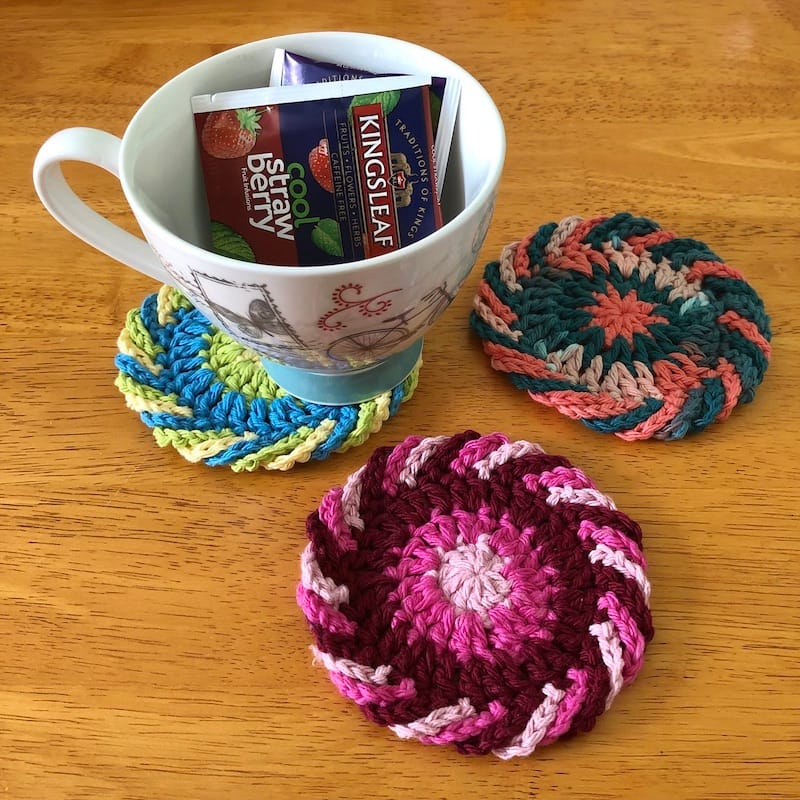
x=291, y=69
x=318, y=174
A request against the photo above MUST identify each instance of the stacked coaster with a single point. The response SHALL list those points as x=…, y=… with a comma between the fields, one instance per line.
x=475, y=591
x=211, y=399
x=624, y=326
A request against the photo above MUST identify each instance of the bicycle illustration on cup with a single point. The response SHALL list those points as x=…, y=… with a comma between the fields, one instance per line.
x=367, y=346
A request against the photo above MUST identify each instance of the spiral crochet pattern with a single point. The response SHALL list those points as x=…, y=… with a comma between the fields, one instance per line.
x=624, y=326
x=476, y=591
x=211, y=399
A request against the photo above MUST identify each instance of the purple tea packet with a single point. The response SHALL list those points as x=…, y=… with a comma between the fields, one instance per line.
x=291, y=69
x=318, y=174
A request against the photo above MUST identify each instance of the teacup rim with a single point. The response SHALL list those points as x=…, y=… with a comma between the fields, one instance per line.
x=481, y=198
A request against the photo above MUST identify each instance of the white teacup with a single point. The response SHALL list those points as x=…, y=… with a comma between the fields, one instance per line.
x=332, y=334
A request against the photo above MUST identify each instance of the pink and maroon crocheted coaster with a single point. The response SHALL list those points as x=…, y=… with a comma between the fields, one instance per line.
x=476, y=591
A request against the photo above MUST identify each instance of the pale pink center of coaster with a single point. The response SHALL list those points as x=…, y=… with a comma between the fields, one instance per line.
x=471, y=578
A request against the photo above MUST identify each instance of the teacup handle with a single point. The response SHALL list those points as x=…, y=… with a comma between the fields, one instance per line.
x=96, y=147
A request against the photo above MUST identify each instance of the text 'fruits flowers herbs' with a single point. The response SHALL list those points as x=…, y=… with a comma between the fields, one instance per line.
x=319, y=174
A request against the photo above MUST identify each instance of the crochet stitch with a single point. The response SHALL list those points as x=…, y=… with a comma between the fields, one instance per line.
x=476, y=591
x=211, y=399
x=624, y=326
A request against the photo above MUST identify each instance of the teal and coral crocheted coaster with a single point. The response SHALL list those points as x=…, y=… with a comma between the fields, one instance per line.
x=211, y=399
x=624, y=326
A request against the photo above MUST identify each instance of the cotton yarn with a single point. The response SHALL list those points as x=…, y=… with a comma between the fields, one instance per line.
x=624, y=326
x=211, y=399
x=475, y=591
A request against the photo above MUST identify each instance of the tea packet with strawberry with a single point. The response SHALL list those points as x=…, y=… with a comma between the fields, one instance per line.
x=321, y=173
x=291, y=69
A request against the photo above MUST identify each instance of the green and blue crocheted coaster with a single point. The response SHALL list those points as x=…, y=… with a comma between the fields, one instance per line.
x=624, y=326
x=211, y=399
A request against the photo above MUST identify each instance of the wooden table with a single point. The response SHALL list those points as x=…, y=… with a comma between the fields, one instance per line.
x=151, y=644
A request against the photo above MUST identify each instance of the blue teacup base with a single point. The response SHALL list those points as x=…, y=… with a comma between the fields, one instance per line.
x=350, y=388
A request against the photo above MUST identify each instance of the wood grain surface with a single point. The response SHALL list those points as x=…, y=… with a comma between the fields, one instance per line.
x=151, y=644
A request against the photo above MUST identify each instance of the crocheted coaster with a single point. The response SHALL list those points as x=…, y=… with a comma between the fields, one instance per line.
x=624, y=326
x=476, y=591
x=211, y=399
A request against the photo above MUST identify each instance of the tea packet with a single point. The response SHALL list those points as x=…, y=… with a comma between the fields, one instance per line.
x=290, y=69
x=318, y=174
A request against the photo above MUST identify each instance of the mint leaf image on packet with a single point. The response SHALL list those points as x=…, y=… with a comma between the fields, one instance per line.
x=321, y=173
x=291, y=69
